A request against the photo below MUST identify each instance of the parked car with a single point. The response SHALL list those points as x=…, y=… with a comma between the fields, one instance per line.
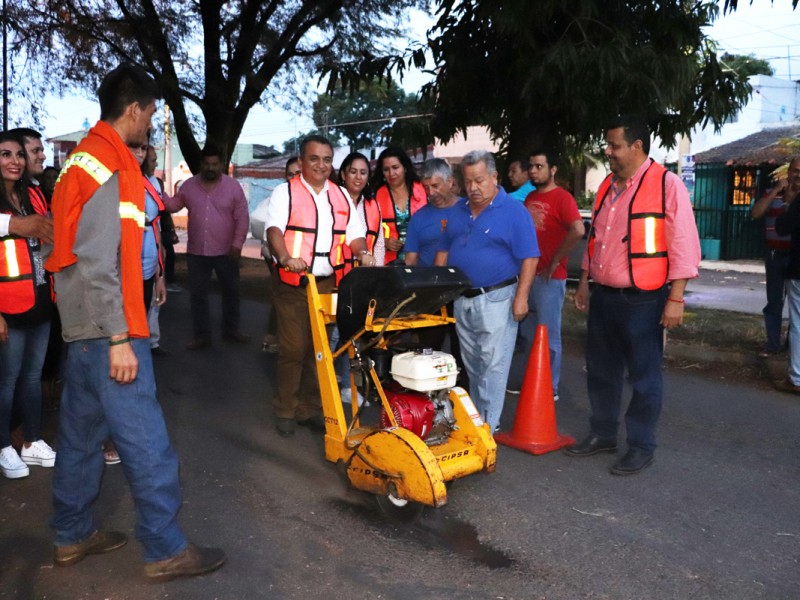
x=576, y=256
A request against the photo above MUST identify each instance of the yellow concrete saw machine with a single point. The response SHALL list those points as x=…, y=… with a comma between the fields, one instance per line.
x=415, y=429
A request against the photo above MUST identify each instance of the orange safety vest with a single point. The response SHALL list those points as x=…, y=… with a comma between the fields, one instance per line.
x=300, y=236
x=648, y=262
x=100, y=155
x=372, y=212
x=418, y=199
x=17, y=285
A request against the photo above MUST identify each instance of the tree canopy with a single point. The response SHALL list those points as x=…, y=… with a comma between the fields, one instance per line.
x=213, y=59
x=746, y=65
x=372, y=115
x=555, y=72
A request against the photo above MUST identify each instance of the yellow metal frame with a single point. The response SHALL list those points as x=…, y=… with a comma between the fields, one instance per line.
x=393, y=460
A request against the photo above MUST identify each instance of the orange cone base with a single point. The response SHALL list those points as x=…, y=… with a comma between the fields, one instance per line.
x=561, y=441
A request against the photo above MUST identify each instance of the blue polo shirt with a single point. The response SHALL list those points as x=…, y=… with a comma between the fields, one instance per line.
x=425, y=230
x=490, y=249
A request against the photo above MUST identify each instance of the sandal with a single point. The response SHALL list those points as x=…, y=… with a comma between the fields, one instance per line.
x=111, y=457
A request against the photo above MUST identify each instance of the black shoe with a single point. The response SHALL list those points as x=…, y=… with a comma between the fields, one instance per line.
x=191, y=561
x=635, y=460
x=592, y=445
x=159, y=351
x=236, y=336
x=99, y=542
x=285, y=426
x=315, y=423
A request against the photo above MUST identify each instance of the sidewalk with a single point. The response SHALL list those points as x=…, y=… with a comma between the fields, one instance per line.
x=738, y=266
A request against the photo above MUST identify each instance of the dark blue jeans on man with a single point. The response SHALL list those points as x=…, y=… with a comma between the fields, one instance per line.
x=775, y=263
x=625, y=332
x=227, y=270
x=93, y=408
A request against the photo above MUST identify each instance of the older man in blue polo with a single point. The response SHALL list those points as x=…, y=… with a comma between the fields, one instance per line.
x=491, y=237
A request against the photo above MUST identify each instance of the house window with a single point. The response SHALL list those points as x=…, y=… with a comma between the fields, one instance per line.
x=744, y=186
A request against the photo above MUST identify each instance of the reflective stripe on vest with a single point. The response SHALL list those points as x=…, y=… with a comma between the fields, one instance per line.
x=650, y=235
x=88, y=163
x=12, y=267
x=301, y=230
x=648, y=261
x=128, y=210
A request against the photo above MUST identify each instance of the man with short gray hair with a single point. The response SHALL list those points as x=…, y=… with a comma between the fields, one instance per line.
x=492, y=239
x=428, y=223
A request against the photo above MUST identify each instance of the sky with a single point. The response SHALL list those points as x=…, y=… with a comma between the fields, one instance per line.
x=768, y=30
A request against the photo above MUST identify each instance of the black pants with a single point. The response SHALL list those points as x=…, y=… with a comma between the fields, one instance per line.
x=227, y=270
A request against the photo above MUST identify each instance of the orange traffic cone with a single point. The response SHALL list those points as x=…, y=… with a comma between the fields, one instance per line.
x=534, y=428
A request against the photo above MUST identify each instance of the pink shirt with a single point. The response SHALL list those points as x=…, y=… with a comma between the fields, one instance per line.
x=609, y=265
x=218, y=218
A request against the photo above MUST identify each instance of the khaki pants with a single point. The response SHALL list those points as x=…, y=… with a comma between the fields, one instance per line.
x=298, y=388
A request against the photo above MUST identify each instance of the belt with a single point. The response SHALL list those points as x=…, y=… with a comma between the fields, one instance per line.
x=482, y=290
x=627, y=291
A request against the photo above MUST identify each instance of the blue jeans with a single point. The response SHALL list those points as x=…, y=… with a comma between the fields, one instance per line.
x=21, y=362
x=625, y=331
x=775, y=263
x=793, y=286
x=93, y=408
x=545, y=303
x=487, y=331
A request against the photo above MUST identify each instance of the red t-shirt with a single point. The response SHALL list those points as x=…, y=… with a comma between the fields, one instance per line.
x=553, y=213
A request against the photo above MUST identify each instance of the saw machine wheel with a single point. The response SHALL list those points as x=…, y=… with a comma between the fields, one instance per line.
x=397, y=509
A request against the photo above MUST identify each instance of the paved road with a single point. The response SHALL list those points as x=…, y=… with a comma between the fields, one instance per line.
x=715, y=517
x=736, y=290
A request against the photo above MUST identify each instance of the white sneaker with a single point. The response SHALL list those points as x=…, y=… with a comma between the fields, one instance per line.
x=11, y=465
x=39, y=453
x=346, y=394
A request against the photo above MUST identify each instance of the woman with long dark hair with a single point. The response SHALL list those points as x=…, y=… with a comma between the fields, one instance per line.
x=354, y=176
x=25, y=310
x=399, y=194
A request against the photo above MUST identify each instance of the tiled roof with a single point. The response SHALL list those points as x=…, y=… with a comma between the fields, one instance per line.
x=762, y=148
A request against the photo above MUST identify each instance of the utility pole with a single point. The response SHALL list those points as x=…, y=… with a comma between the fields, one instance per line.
x=167, y=152
x=5, y=68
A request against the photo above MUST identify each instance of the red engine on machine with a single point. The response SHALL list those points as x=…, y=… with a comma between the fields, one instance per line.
x=412, y=410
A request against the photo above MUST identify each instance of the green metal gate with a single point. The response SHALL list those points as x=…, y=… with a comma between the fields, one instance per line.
x=723, y=196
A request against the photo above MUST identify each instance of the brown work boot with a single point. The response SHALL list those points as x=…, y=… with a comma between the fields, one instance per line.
x=99, y=542
x=191, y=561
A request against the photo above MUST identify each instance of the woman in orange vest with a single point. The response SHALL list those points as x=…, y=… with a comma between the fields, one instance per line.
x=354, y=176
x=400, y=194
x=25, y=310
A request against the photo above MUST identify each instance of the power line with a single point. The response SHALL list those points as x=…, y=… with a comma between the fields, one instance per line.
x=376, y=120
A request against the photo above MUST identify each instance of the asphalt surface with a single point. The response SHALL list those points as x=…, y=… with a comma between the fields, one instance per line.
x=739, y=287
x=715, y=517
